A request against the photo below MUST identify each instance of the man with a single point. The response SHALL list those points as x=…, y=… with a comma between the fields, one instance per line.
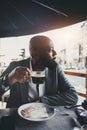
x=54, y=89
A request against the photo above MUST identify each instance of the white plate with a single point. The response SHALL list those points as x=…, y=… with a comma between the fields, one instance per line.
x=50, y=111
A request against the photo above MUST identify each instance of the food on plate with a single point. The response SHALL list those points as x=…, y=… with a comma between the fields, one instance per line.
x=26, y=112
x=33, y=112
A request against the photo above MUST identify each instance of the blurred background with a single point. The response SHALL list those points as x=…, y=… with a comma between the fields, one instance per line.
x=70, y=43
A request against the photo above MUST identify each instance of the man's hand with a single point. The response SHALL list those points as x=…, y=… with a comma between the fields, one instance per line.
x=19, y=74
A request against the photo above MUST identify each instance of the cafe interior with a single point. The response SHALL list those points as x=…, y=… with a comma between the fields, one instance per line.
x=30, y=17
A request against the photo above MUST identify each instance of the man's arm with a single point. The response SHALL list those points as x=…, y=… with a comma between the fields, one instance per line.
x=3, y=81
x=4, y=86
x=66, y=95
x=13, y=74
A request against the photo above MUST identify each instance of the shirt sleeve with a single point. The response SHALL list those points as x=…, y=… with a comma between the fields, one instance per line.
x=67, y=94
x=2, y=87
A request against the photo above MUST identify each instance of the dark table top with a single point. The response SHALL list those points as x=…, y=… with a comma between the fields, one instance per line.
x=63, y=120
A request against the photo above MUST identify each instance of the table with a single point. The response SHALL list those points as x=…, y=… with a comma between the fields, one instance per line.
x=63, y=120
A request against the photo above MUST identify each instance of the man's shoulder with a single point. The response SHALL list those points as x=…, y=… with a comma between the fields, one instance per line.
x=59, y=68
x=56, y=68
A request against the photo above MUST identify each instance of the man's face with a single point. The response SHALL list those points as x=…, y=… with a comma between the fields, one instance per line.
x=44, y=52
x=47, y=52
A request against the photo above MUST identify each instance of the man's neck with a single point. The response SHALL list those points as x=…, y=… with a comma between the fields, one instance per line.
x=37, y=66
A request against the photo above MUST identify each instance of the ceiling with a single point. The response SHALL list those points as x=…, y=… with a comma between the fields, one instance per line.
x=25, y=17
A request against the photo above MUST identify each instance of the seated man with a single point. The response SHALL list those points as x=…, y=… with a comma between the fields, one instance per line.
x=54, y=89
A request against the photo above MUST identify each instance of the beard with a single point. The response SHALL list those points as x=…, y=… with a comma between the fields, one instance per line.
x=42, y=63
x=39, y=64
